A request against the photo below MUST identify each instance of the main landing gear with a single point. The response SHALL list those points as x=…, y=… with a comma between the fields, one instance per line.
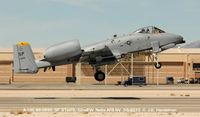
x=99, y=75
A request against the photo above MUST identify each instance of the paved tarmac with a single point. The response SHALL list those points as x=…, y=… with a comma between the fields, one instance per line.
x=112, y=104
x=99, y=98
x=72, y=86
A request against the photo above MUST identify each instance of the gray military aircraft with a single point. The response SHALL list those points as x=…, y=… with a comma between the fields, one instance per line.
x=101, y=53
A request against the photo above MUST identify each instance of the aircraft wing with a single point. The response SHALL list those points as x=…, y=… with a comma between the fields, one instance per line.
x=116, y=51
x=99, y=57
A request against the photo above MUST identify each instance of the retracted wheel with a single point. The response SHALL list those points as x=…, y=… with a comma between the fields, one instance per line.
x=158, y=65
x=99, y=76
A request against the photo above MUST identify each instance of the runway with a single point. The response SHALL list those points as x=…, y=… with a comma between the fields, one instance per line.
x=115, y=104
x=95, y=99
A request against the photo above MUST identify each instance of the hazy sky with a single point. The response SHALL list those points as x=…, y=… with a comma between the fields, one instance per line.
x=46, y=22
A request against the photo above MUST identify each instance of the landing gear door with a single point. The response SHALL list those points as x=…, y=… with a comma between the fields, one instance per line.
x=155, y=46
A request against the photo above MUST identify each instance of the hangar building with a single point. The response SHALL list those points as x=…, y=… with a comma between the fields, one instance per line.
x=176, y=62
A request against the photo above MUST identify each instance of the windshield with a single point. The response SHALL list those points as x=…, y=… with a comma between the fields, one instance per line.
x=149, y=30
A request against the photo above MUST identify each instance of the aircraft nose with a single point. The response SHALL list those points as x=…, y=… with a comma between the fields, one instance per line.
x=180, y=38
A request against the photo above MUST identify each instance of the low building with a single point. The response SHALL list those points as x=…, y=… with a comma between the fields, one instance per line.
x=7, y=74
x=177, y=63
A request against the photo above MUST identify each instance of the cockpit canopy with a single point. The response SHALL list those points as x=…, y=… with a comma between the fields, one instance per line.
x=149, y=30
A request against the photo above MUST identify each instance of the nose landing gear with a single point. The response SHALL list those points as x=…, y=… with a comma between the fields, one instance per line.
x=157, y=64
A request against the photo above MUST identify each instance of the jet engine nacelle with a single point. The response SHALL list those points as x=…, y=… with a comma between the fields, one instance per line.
x=63, y=51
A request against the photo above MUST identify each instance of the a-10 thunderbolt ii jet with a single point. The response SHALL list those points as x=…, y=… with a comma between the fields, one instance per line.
x=106, y=52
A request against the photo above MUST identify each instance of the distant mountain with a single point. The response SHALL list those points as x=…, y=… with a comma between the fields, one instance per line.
x=195, y=44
